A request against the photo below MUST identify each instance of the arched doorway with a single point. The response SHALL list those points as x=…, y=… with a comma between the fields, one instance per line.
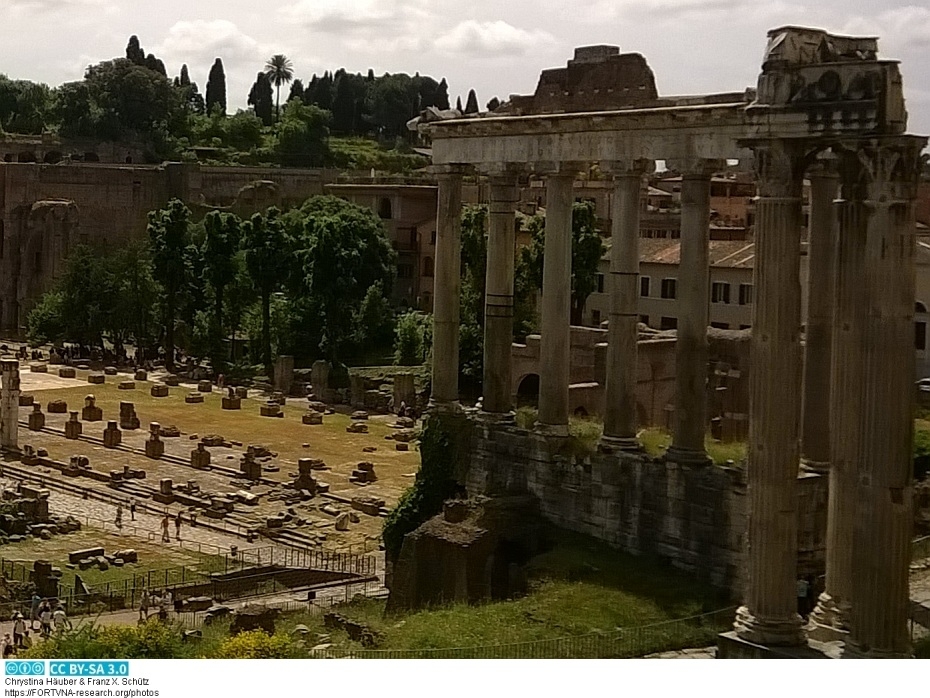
x=528, y=391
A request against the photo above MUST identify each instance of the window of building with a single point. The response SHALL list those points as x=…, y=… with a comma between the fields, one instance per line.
x=596, y=318
x=720, y=292
x=721, y=325
x=404, y=271
x=428, y=266
x=669, y=288
x=920, y=336
x=745, y=294
x=668, y=323
x=432, y=238
x=644, y=319
x=644, y=286
x=600, y=283
x=384, y=208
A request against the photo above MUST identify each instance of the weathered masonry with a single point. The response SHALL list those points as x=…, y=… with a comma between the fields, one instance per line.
x=825, y=107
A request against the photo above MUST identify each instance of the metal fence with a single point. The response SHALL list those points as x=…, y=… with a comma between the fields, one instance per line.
x=695, y=631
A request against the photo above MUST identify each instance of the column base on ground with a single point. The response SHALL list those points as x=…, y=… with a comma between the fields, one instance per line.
x=560, y=430
x=829, y=621
x=444, y=407
x=815, y=466
x=685, y=456
x=612, y=444
x=769, y=632
x=850, y=651
x=731, y=646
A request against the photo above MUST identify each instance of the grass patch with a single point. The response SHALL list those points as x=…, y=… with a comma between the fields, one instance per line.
x=585, y=434
x=655, y=441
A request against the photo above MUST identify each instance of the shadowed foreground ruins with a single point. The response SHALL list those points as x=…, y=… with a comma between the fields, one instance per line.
x=827, y=108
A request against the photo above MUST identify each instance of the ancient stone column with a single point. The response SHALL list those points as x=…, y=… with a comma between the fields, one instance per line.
x=9, y=403
x=848, y=266
x=498, y=312
x=769, y=616
x=818, y=342
x=693, y=317
x=446, y=288
x=555, y=343
x=622, y=333
x=884, y=501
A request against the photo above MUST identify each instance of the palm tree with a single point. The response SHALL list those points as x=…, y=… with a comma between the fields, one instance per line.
x=280, y=71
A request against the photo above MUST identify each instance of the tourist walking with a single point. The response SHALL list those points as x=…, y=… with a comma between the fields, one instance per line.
x=60, y=618
x=165, y=538
x=144, y=605
x=45, y=618
x=177, y=527
x=132, y=509
x=34, y=610
x=19, y=629
x=119, y=517
x=6, y=646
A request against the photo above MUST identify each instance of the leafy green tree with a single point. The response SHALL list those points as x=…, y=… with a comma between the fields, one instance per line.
x=342, y=250
x=216, y=88
x=169, y=236
x=190, y=92
x=24, y=106
x=46, y=321
x=374, y=322
x=135, y=298
x=260, y=98
x=587, y=250
x=412, y=339
x=266, y=245
x=243, y=131
x=280, y=71
x=220, y=245
x=301, y=135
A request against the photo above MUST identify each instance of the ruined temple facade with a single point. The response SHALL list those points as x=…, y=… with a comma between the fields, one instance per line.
x=837, y=409
x=48, y=209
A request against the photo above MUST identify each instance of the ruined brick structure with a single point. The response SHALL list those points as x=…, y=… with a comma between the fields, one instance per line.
x=46, y=210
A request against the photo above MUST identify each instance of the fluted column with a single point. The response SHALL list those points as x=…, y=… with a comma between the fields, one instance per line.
x=849, y=266
x=447, y=288
x=883, y=526
x=498, y=313
x=770, y=616
x=818, y=342
x=9, y=403
x=554, y=345
x=622, y=332
x=693, y=317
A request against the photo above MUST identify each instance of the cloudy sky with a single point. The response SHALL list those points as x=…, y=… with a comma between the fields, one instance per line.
x=693, y=46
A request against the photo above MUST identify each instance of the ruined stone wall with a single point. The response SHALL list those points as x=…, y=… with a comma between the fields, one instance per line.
x=221, y=185
x=694, y=517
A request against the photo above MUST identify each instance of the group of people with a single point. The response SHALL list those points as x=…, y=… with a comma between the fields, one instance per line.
x=45, y=617
x=158, y=603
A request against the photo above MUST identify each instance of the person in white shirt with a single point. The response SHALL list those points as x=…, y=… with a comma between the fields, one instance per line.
x=19, y=629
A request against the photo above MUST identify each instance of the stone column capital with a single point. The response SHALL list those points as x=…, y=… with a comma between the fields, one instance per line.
x=448, y=171
x=627, y=168
x=559, y=169
x=696, y=167
x=504, y=171
x=779, y=167
x=825, y=165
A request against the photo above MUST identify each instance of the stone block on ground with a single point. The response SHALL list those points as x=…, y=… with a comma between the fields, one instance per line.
x=78, y=555
x=169, y=432
x=242, y=392
x=73, y=428
x=126, y=385
x=357, y=428
x=232, y=403
x=96, y=378
x=127, y=416
x=26, y=400
x=36, y=418
x=172, y=380
x=205, y=387
x=193, y=398
x=57, y=407
x=38, y=367
x=66, y=372
x=159, y=390
x=359, y=414
x=312, y=417
x=109, y=371
x=141, y=375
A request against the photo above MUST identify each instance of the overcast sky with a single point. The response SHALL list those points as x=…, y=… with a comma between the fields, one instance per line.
x=498, y=47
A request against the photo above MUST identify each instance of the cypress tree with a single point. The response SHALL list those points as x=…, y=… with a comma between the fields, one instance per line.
x=471, y=104
x=458, y=103
x=441, y=100
x=216, y=88
x=134, y=51
x=262, y=99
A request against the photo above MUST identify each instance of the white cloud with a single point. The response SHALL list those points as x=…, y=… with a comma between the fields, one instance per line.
x=907, y=26
x=356, y=17
x=491, y=39
x=201, y=39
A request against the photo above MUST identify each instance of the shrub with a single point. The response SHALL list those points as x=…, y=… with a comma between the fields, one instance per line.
x=255, y=644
